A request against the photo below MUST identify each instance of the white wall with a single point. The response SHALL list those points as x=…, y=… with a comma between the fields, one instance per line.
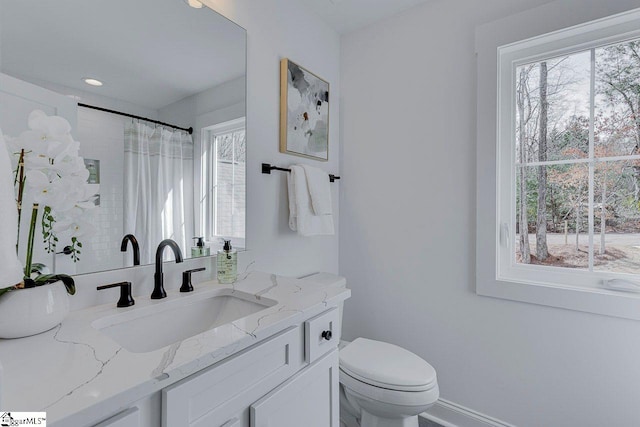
x=283, y=29
x=407, y=245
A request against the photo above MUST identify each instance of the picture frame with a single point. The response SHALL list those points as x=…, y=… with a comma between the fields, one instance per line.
x=304, y=112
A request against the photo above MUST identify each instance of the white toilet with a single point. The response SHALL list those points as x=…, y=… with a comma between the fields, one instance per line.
x=381, y=384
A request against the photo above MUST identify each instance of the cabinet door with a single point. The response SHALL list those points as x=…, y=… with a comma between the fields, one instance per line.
x=309, y=399
x=221, y=395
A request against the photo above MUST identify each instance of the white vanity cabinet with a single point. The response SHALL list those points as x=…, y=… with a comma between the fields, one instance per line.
x=287, y=380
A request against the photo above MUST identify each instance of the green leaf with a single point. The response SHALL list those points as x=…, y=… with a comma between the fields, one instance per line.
x=37, y=267
x=68, y=281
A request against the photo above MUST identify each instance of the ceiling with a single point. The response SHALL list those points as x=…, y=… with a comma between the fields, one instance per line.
x=349, y=15
x=147, y=52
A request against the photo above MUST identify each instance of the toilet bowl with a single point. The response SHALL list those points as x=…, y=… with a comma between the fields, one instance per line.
x=381, y=384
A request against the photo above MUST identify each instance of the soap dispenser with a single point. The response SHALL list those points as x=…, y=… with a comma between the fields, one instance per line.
x=227, y=263
x=200, y=249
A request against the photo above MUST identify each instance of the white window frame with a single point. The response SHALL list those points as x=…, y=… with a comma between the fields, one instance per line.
x=209, y=175
x=557, y=287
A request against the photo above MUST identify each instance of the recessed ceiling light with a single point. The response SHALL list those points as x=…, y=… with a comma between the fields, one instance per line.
x=194, y=3
x=92, y=82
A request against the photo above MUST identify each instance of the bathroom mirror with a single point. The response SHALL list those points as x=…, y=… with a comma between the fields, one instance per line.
x=171, y=66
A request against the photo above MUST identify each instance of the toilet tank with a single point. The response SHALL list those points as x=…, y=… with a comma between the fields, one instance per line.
x=328, y=280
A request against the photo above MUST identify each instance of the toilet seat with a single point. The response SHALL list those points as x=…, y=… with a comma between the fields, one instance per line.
x=387, y=396
x=386, y=366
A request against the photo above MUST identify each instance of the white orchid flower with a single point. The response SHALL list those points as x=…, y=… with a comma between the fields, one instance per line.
x=68, y=164
x=67, y=227
x=40, y=143
x=80, y=210
x=36, y=119
x=38, y=162
x=67, y=191
x=55, y=126
x=56, y=176
x=44, y=192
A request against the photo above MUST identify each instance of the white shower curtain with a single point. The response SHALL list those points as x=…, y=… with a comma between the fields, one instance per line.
x=158, y=187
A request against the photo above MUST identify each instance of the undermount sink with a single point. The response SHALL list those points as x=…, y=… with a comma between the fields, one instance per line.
x=177, y=318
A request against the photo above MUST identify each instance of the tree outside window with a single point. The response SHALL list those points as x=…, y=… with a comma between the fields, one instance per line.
x=577, y=160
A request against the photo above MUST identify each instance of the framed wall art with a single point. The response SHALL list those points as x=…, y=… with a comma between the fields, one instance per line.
x=304, y=112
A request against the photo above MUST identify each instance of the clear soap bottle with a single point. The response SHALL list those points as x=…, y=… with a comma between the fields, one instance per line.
x=227, y=263
x=200, y=249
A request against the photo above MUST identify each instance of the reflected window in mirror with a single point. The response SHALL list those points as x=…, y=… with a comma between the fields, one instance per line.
x=224, y=160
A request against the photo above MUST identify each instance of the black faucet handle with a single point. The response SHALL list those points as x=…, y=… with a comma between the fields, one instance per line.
x=186, y=279
x=126, y=300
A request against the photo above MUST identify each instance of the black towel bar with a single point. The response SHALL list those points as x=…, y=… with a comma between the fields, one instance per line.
x=267, y=168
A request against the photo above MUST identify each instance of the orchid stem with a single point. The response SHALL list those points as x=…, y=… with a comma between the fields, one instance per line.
x=32, y=234
x=19, y=180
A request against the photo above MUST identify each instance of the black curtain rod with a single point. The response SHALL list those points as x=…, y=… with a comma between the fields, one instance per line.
x=106, y=110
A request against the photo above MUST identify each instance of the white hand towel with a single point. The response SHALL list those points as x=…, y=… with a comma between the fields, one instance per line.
x=302, y=217
x=319, y=190
x=293, y=209
x=10, y=267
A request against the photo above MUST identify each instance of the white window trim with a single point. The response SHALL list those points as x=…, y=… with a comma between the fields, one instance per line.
x=213, y=240
x=497, y=273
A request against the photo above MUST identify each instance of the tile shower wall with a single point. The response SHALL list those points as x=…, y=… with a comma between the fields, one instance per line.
x=101, y=137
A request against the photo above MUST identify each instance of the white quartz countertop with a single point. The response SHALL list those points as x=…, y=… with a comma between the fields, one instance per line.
x=76, y=374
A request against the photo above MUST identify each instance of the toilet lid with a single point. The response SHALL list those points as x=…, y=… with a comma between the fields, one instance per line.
x=386, y=365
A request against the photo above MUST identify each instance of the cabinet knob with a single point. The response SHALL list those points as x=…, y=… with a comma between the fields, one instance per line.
x=327, y=335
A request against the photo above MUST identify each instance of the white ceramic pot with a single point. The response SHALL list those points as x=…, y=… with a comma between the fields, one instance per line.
x=26, y=312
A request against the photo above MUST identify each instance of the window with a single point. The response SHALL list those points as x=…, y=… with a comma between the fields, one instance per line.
x=568, y=167
x=224, y=160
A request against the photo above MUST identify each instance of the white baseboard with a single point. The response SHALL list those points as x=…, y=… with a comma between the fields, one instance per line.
x=449, y=414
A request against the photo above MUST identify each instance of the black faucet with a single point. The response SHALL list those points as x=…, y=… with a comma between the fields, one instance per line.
x=126, y=300
x=136, y=247
x=158, y=279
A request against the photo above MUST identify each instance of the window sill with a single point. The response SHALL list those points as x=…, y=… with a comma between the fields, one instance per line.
x=598, y=301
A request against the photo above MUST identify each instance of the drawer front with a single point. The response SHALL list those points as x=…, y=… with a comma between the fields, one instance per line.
x=206, y=398
x=128, y=418
x=322, y=334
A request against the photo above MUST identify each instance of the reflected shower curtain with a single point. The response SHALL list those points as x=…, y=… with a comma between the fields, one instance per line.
x=158, y=187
